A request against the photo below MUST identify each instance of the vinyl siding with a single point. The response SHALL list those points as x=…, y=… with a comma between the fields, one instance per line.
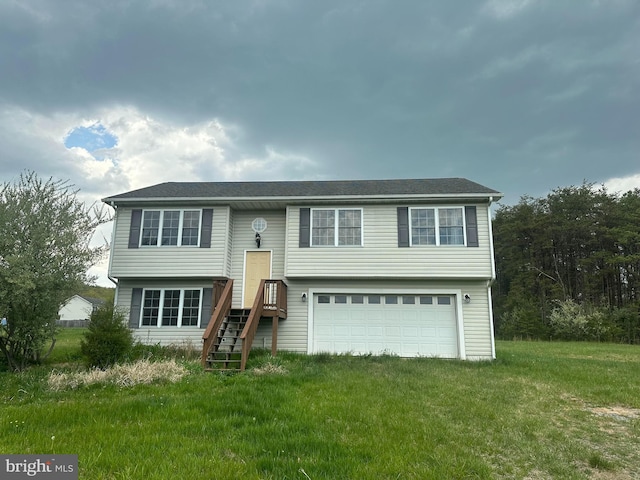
x=228, y=244
x=161, y=335
x=77, y=308
x=380, y=255
x=293, y=332
x=171, y=261
x=377, y=265
x=273, y=239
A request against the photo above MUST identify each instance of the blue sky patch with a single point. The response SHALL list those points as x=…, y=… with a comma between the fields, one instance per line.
x=92, y=138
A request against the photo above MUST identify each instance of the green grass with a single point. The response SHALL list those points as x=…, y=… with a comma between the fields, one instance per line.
x=542, y=410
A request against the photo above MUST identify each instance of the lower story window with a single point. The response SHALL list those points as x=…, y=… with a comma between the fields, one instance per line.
x=171, y=307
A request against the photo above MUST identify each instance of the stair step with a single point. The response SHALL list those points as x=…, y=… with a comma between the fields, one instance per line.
x=226, y=353
x=229, y=349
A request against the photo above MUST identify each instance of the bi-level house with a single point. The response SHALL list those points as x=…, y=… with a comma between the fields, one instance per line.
x=383, y=266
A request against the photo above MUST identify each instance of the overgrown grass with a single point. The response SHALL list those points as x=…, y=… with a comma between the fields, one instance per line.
x=542, y=410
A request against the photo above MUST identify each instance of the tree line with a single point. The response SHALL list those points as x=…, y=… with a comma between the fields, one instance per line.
x=568, y=266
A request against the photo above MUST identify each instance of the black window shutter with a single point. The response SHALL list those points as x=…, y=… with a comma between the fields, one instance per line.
x=136, y=303
x=206, y=311
x=471, y=219
x=305, y=227
x=205, y=231
x=403, y=226
x=134, y=230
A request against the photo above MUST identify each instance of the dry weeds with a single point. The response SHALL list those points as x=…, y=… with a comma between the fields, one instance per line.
x=270, y=369
x=126, y=375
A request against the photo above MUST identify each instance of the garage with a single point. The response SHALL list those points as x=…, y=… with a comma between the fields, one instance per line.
x=408, y=325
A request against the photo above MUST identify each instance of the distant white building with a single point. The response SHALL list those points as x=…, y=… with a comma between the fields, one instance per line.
x=78, y=308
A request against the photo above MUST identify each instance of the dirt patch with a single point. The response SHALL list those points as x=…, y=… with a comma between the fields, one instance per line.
x=617, y=412
x=623, y=414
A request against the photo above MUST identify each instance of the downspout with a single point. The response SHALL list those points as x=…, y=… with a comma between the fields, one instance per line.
x=493, y=277
x=493, y=259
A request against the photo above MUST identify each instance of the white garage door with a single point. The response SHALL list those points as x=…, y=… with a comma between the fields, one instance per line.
x=405, y=325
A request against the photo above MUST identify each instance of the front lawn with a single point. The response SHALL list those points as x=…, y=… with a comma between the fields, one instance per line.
x=542, y=410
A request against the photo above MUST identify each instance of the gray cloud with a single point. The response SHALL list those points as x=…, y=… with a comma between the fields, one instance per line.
x=519, y=95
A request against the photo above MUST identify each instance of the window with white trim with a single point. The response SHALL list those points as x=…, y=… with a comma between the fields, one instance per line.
x=437, y=226
x=171, y=307
x=177, y=228
x=336, y=227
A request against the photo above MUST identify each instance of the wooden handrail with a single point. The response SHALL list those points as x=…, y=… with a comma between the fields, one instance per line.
x=270, y=301
x=221, y=310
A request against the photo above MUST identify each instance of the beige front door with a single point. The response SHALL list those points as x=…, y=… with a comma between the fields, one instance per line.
x=257, y=266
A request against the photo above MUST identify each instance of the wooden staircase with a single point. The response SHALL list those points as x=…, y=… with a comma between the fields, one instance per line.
x=226, y=353
x=230, y=332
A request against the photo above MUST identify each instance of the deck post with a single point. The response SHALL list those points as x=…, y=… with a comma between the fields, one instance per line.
x=274, y=336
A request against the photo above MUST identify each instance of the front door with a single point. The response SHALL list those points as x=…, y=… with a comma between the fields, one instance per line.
x=257, y=266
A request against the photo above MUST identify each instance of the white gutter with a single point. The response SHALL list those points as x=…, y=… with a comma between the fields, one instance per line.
x=493, y=259
x=493, y=277
x=305, y=198
x=113, y=234
x=491, y=325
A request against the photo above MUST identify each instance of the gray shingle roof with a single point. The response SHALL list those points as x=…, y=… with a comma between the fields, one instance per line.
x=331, y=188
x=94, y=301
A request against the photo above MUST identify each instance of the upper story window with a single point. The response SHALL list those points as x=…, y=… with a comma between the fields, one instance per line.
x=437, y=226
x=336, y=227
x=170, y=228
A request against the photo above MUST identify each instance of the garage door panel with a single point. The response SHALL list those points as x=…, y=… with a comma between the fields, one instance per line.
x=342, y=331
x=375, y=331
x=428, y=332
x=407, y=315
x=359, y=331
x=393, y=331
x=359, y=347
x=406, y=325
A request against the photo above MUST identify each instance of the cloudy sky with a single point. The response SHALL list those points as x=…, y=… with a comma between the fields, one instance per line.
x=519, y=95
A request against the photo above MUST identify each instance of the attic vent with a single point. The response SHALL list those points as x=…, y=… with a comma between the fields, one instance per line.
x=259, y=225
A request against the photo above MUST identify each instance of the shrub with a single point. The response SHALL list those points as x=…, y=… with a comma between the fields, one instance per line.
x=627, y=324
x=573, y=321
x=523, y=321
x=568, y=321
x=108, y=339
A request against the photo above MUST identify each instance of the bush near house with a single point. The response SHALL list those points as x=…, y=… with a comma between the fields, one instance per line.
x=108, y=339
